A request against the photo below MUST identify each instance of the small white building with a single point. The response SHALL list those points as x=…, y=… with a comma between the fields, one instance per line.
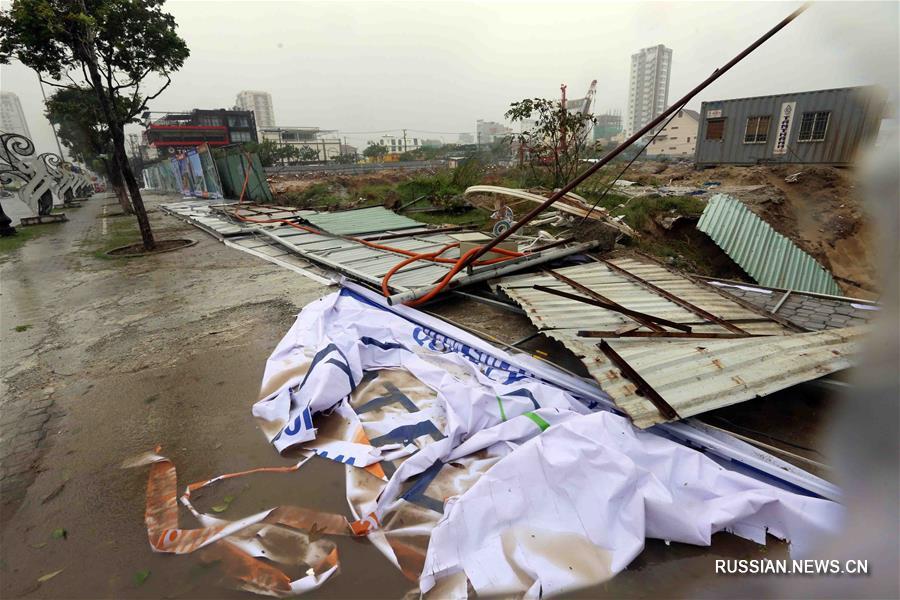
x=303, y=137
x=488, y=132
x=679, y=138
x=399, y=144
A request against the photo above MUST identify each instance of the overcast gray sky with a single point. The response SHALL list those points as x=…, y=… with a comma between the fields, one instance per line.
x=439, y=66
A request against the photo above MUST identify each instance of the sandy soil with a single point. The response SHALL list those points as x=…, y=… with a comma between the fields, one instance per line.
x=823, y=212
x=169, y=350
x=298, y=182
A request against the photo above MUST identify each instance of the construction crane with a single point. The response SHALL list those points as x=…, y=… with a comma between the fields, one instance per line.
x=562, y=124
x=589, y=98
x=586, y=103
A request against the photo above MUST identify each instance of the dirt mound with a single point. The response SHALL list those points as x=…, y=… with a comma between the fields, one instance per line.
x=818, y=207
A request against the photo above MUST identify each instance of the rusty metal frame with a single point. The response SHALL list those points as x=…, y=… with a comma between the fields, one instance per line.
x=642, y=387
x=601, y=298
x=666, y=334
x=748, y=305
x=702, y=313
x=614, y=307
x=696, y=279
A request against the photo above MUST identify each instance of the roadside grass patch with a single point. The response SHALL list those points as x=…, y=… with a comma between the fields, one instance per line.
x=118, y=233
x=638, y=212
x=23, y=234
x=21, y=328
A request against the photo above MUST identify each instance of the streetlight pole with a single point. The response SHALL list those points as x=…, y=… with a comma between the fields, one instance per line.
x=52, y=127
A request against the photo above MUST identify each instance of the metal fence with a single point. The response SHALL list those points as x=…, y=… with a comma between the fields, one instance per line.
x=338, y=169
x=233, y=165
x=211, y=176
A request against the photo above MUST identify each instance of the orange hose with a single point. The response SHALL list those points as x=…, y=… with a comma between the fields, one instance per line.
x=246, y=179
x=411, y=256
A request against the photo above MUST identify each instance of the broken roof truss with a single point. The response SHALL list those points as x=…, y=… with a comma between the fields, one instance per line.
x=665, y=346
x=335, y=242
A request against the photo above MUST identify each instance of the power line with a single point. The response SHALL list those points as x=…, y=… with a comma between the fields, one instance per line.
x=630, y=162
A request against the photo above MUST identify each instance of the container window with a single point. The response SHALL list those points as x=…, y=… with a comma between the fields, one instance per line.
x=757, y=131
x=715, y=129
x=813, y=126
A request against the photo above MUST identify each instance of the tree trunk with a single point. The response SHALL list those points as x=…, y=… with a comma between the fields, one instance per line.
x=115, y=180
x=117, y=132
x=134, y=189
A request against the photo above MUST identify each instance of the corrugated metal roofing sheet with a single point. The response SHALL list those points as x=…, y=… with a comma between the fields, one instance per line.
x=696, y=376
x=199, y=213
x=367, y=264
x=693, y=375
x=767, y=256
x=361, y=220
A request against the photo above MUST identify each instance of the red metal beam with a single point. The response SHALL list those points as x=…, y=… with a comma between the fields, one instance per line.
x=216, y=127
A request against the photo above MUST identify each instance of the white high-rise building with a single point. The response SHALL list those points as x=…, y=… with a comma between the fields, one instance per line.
x=261, y=105
x=12, y=119
x=648, y=94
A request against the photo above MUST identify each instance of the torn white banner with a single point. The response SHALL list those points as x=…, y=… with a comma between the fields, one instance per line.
x=572, y=507
x=503, y=456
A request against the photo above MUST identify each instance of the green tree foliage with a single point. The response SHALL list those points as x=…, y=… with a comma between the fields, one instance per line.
x=376, y=151
x=307, y=153
x=80, y=124
x=83, y=130
x=109, y=46
x=346, y=159
x=556, y=142
x=271, y=153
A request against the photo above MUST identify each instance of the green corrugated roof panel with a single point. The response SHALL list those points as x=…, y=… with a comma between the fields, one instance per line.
x=361, y=220
x=763, y=253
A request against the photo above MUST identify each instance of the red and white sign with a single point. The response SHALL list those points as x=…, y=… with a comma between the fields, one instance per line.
x=783, y=133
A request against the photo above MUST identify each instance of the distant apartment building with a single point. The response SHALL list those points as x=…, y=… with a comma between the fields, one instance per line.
x=304, y=137
x=488, y=132
x=175, y=131
x=648, y=92
x=679, y=137
x=12, y=118
x=465, y=139
x=261, y=105
x=400, y=144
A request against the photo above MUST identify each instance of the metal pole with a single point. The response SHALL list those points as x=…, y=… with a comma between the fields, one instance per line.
x=636, y=136
x=56, y=137
x=496, y=270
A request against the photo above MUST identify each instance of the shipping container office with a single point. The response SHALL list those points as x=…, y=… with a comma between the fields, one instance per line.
x=819, y=127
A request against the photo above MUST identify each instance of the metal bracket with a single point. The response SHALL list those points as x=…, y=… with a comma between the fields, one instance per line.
x=643, y=388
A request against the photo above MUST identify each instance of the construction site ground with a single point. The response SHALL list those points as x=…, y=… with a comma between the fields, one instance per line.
x=822, y=211
x=106, y=358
